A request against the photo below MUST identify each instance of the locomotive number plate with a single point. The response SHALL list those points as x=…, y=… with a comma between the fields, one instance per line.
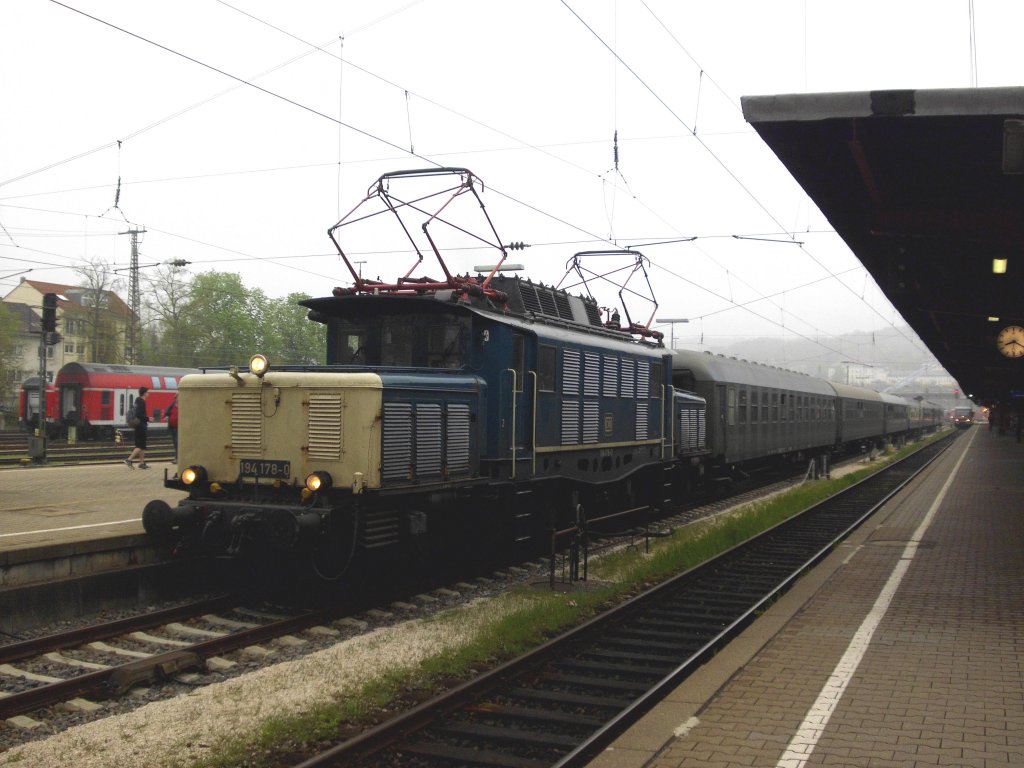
x=265, y=468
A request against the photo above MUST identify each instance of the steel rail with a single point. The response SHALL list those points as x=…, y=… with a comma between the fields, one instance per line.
x=629, y=704
x=117, y=679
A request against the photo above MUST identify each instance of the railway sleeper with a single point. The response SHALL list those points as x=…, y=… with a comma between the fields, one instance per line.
x=569, y=699
x=490, y=709
x=467, y=756
x=152, y=670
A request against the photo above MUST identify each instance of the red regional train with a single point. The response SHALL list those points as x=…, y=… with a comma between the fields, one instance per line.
x=97, y=398
x=28, y=407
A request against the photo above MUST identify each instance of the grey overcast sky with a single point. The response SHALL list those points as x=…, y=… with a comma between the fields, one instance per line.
x=241, y=130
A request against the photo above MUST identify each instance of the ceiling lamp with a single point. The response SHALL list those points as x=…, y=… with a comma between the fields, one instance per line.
x=999, y=266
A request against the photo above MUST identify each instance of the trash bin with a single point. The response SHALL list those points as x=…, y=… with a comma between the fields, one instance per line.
x=37, y=447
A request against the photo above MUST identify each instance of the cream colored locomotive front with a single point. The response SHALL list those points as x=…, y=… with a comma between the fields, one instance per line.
x=282, y=427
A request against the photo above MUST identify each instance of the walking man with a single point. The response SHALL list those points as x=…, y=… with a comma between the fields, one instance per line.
x=139, y=414
x=172, y=425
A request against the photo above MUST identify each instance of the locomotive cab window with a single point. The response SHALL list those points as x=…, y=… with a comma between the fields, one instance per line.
x=445, y=344
x=518, y=359
x=546, y=361
x=403, y=340
x=656, y=381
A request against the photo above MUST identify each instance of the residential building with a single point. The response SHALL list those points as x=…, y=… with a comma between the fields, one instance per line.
x=92, y=328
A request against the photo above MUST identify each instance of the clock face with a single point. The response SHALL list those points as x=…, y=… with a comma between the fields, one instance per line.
x=1010, y=341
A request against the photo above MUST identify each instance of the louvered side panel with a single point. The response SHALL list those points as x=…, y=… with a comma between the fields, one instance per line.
x=564, y=308
x=246, y=424
x=685, y=432
x=629, y=378
x=547, y=302
x=570, y=422
x=457, y=439
x=531, y=302
x=396, y=442
x=643, y=379
x=702, y=435
x=570, y=372
x=428, y=440
x=590, y=422
x=594, y=314
x=641, y=419
x=325, y=430
x=591, y=374
x=610, y=376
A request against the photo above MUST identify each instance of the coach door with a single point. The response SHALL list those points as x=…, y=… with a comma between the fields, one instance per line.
x=723, y=420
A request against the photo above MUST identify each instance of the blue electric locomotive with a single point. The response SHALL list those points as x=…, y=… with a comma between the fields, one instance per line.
x=461, y=414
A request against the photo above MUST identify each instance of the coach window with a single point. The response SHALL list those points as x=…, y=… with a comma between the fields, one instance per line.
x=105, y=397
x=546, y=357
x=731, y=402
x=742, y=411
x=775, y=406
x=765, y=412
x=753, y=406
x=783, y=405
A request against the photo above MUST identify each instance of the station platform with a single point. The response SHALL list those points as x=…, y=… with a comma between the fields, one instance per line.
x=47, y=507
x=905, y=647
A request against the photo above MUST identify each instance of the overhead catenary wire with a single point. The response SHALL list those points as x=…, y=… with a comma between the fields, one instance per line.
x=532, y=208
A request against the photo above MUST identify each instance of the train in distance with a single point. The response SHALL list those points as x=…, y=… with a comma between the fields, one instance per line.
x=97, y=398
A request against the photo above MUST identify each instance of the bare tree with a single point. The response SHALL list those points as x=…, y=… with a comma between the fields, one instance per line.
x=100, y=310
x=168, y=294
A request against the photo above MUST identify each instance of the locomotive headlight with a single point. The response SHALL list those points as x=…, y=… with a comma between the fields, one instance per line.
x=318, y=481
x=193, y=475
x=258, y=364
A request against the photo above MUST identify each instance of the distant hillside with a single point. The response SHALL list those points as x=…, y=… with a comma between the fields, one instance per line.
x=885, y=356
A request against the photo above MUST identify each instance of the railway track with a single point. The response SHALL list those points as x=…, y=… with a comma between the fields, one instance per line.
x=14, y=451
x=564, y=702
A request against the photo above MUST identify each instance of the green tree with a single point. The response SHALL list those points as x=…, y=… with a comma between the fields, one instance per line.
x=223, y=318
x=289, y=337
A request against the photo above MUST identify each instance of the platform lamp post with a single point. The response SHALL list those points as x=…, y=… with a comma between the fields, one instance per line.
x=672, y=322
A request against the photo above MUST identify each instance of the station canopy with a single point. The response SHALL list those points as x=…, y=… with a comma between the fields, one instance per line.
x=927, y=189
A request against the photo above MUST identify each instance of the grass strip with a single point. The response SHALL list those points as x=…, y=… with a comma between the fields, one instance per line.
x=528, y=618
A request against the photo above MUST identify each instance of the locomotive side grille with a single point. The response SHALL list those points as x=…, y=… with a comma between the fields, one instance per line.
x=570, y=422
x=692, y=429
x=428, y=440
x=379, y=528
x=325, y=425
x=396, y=441
x=570, y=372
x=628, y=378
x=591, y=374
x=531, y=302
x=590, y=410
x=564, y=308
x=457, y=433
x=593, y=314
x=610, y=379
x=246, y=424
x=643, y=379
x=547, y=301
x=641, y=419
